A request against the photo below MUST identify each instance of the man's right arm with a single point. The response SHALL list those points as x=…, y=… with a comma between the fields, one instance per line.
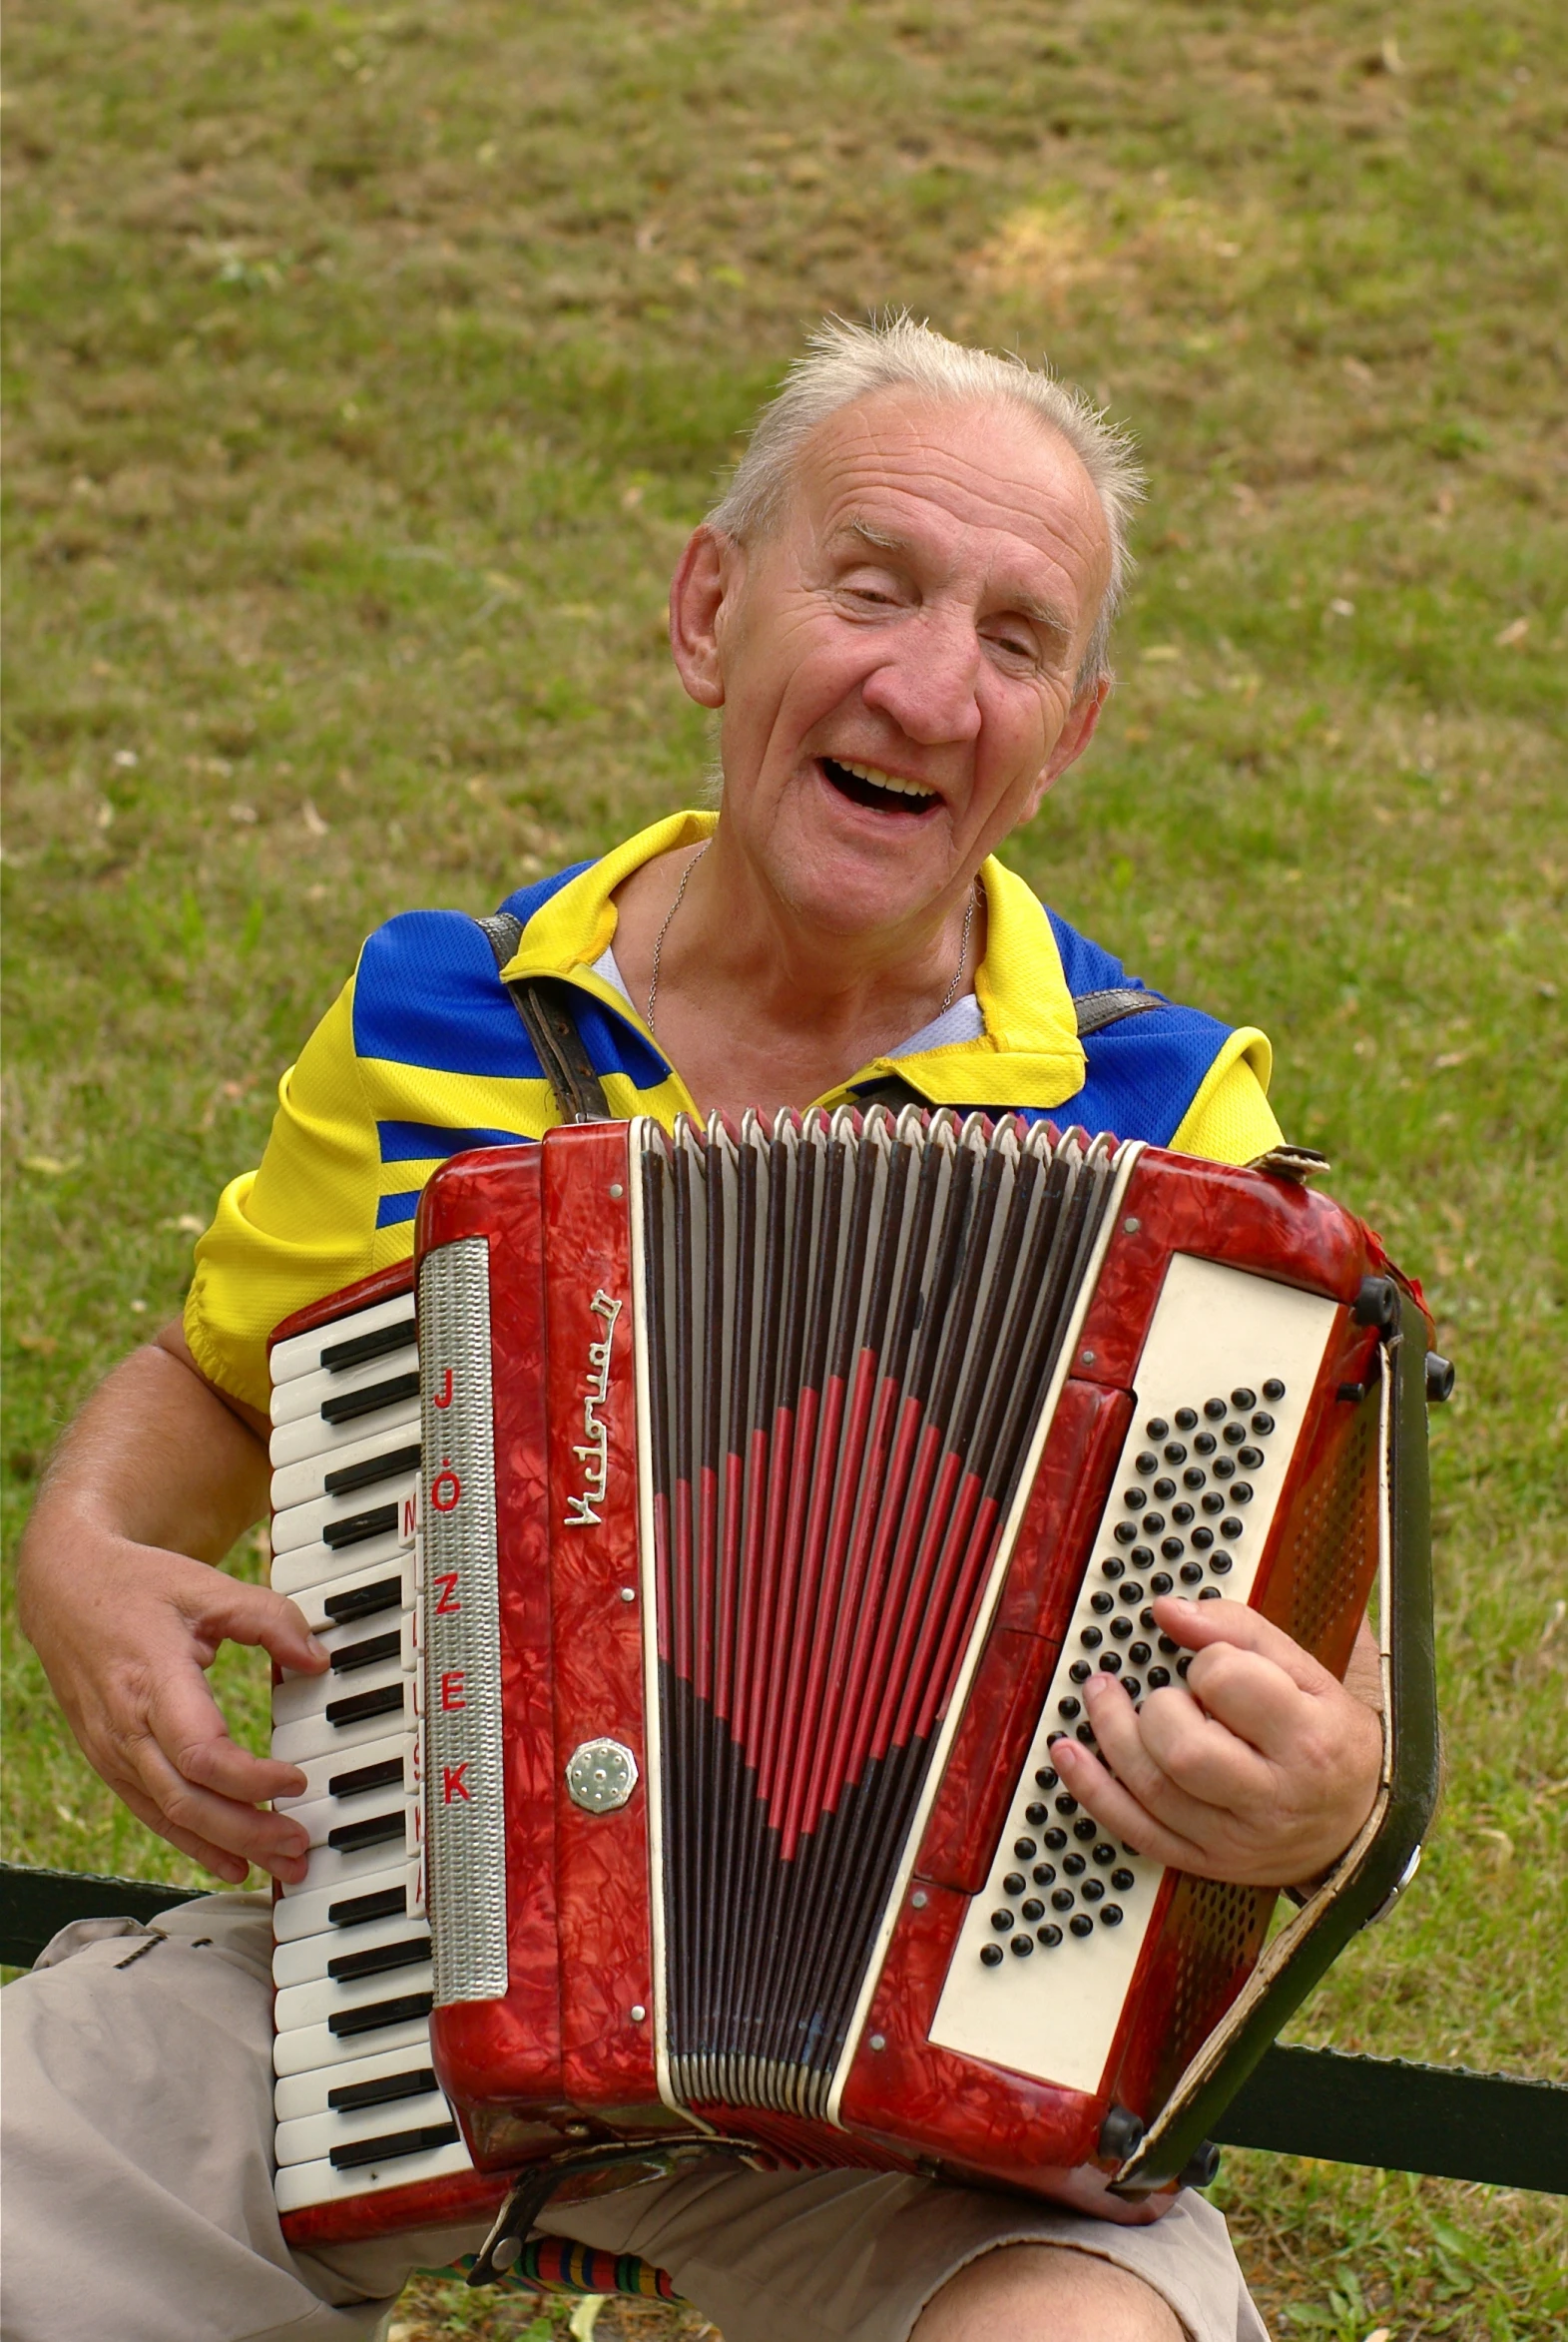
x=120, y=1596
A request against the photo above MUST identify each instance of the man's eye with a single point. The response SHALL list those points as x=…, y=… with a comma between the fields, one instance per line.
x=1016, y=645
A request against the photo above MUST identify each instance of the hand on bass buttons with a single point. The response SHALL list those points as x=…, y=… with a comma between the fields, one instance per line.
x=1259, y=1770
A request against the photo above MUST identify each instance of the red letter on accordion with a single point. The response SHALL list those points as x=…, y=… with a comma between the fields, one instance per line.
x=453, y=1691
x=449, y=1606
x=453, y=1786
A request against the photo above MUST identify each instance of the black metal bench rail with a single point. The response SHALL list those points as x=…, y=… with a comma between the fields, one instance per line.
x=1440, y=2119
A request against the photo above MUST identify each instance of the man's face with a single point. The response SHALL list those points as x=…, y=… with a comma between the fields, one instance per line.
x=897, y=661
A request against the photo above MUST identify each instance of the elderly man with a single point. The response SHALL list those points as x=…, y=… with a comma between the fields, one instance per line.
x=899, y=613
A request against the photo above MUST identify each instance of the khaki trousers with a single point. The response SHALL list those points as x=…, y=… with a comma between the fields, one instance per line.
x=138, y=2202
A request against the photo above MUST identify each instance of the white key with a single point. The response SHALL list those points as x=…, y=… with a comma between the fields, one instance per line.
x=323, y=1768
x=320, y=1997
x=322, y=1815
x=309, y=1567
x=302, y=1911
x=306, y=1960
x=314, y=2137
x=312, y=1735
x=312, y=2049
x=313, y=1599
x=308, y=1695
x=302, y=1353
x=303, y=2184
x=347, y=1637
x=302, y=1483
x=306, y=1435
x=308, y=1394
x=348, y=1871
x=297, y=2094
x=307, y=1524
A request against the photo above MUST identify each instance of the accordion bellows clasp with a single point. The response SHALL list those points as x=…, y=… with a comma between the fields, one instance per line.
x=781, y=1484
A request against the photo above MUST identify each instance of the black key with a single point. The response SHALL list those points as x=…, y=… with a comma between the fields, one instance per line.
x=369, y=1653
x=360, y=1528
x=364, y=1602
x=410, y=1952
x=353, y=1404
x=398, y=2143
x=374, y=1468
x=352, y=2096
x=387, y=1775
x=376, y=2014
x=357, y=1909
x=388, y=1701
x=376, y=1829
x=361, y=1348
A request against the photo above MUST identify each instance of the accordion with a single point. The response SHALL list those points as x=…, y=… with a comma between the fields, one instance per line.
x=710, y=1564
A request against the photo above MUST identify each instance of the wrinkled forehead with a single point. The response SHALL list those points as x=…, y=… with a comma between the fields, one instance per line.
x=975, y=470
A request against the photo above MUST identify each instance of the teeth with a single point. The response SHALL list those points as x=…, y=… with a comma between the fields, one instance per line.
x=888, y=780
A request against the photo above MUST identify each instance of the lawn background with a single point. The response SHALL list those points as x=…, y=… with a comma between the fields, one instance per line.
x=366, y=369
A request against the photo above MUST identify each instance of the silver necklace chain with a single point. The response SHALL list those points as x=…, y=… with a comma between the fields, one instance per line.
x=948, y=998
x=952, y=994
x=680, y=897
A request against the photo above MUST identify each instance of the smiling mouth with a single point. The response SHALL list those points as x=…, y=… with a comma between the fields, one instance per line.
x=882, y=793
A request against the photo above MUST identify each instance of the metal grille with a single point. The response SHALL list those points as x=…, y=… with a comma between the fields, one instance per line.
x=465, y=1838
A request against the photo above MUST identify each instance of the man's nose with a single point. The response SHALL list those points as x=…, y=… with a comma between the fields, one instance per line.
x=928, y=682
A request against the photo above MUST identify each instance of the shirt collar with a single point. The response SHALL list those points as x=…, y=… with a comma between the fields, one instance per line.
x=1028, y=1056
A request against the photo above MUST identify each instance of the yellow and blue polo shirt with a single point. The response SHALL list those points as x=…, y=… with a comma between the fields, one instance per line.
x=423, y=1055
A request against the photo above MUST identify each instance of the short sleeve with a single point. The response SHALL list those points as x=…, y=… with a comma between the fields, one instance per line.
x=1230, y=1119
x=301, y=1225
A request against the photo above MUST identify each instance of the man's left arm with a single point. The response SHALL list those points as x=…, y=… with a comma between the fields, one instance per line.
x=1260, y=1770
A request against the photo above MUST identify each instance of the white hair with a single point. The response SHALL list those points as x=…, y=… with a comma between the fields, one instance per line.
x=846, y=363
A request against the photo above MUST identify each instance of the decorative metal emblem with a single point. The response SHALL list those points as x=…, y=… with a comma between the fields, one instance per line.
x=600, y=1776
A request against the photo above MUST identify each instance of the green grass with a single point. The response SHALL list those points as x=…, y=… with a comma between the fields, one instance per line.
x=366, y=369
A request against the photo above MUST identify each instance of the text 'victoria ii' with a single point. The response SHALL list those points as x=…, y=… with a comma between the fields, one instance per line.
x=594, y=1449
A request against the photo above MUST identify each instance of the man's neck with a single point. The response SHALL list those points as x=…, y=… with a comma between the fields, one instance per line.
x=756, y=1008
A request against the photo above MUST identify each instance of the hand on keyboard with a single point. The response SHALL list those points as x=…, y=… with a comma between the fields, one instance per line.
x=129, y=1670
x=125, y=1627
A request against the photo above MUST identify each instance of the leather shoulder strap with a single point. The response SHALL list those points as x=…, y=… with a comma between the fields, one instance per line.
x=544, y=1004
x=1096, y=1009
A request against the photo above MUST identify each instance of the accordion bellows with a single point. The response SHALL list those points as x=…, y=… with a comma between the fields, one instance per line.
x=781, y=1487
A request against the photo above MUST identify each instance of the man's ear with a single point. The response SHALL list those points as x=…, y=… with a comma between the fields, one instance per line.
x=705, y=575
x=1073, y=739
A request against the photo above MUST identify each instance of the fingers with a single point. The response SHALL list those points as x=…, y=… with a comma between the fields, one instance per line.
x=1118, y=1813
x=1246, y=1697
x=226, y=1610
x=1253, y=1779
x=1140, y=1800
x=182, y=1756
x=274, y=1841
x=231, y=1771
x=1174, y=1756
x=1203, y=1626
x=230, y=1868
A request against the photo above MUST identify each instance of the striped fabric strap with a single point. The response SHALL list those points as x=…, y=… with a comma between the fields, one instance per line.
x=554, y=2264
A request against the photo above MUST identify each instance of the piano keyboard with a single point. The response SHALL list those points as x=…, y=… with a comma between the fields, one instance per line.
x=357, y=2101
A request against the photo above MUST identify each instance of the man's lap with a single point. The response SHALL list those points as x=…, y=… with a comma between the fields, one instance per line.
x=139, y=2198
